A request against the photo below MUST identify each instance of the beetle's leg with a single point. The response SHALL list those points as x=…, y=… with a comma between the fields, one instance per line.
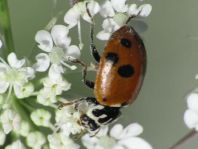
x=94, y=51
x=74, y=102
x=88, y=83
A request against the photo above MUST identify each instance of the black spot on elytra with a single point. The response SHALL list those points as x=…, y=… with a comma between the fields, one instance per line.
x=126, y=71
x=126, y=43
x=112, y=57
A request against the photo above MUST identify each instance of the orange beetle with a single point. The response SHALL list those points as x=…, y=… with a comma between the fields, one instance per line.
x=119, y=78
x=121, y=69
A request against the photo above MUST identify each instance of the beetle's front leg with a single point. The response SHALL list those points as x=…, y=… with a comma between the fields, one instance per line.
x=88, y=83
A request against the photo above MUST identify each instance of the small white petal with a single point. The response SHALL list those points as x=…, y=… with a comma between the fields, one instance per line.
x=192, y=101
x=14, y=62
x=43, y=62
x=120, y=19
x=29, y=72
x=132, y=130
x=109, y=25
x=116, y=131
x=59, y=34
x=73, y=51
x=3, y=68
x=24, y=129
x=44, y=39
x=15, y=145
x=93, y=7
x=1, y=44
x=88, y=141
x=3, y=87
x=119, y=5
x=61, y=141
x=35, y=140
x=72, y=17
x=7, y=128
x=23, y=91
x=56, y=87
x=102, y=35
x=46, y=97
x=55, y=72
x=135, y=143
x=2, y=137
x=119, y=147
x=103, y=131
x=41, y=117
x=191, y=119
x=107, y=9
x=16, y=123
x=133, y=10
x=10, y=120
x=145, y=10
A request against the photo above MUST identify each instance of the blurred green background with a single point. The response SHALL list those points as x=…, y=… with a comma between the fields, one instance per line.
x=172, y=47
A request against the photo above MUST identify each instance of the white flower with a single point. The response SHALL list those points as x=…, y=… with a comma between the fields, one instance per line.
x=45, y=97
x=72, y=17
x=15, y=145
x=67, y=120
x=52, y=88
x=24, y=91
x=41, y=117
x=61, y=141
x=57, y=47
x=107, y=9
x=10, y=120
x=2, y=137
x=119, y=6
x=191, y=114
x=35, y=140
x=116, y=14
x=24, y=129
x=56, y=86
x=118, y=138
x=109, y=25
x=1, y=44
x=14, y=74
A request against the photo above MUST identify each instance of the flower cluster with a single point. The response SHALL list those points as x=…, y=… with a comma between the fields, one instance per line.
x=115, y=14
x=190, y=118
x=30, y=91
x=191, y=114
x=117, y=138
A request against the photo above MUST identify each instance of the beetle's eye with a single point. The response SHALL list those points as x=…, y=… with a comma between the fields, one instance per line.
x=126, y=43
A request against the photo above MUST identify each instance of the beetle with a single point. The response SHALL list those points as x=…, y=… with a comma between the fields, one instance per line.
x=120, y=73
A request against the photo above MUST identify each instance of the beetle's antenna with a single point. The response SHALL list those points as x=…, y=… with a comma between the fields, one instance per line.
x=184, y=139
x=92, y=25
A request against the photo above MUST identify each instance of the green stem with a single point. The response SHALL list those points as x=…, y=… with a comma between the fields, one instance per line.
x=5, y=25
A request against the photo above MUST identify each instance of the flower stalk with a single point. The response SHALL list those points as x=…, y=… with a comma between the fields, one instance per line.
x=5, y=25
